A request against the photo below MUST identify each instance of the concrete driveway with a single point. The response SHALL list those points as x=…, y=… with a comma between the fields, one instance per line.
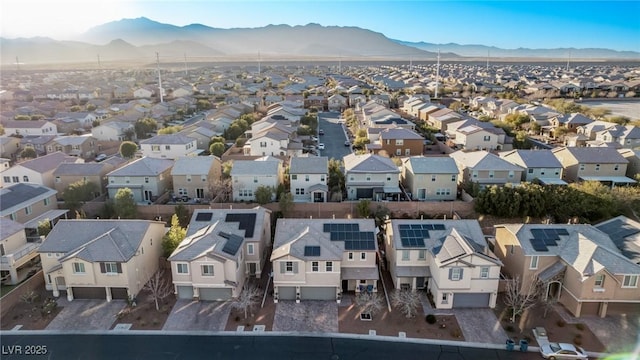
x=198, y=315
x=82, y=314
x=307, y=316
x=480, y=326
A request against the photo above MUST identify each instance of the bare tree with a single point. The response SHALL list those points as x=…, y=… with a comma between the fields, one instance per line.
x=408, y=301
x=221, y=190
x=519, y=298
x=248, y=298
x=159, y=287
x=369, y=302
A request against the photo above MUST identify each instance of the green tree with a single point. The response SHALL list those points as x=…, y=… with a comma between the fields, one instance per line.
x=183, y=215
x=364, y=209
x=217, y=149
x=77, y=193
x=233, y=132
x=22, y=117
x=170, y=130
x=1, y=130
x=620, y=120
x=285, y=204
x=203, y=105
x=145, y=126
x=226, y=169
x=90, y=107
x=173, y=237
x=217, y=139
x=264, y=194
x=128, y=149
x=28, y=153
x=75, y=108
x=44, y=227
x=125, y=204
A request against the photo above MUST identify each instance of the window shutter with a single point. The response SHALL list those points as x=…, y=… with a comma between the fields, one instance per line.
x=295, y=267
x=450, y=274
x=461, y=272
x=119, y=267
x=283, y=269
x=103, y=268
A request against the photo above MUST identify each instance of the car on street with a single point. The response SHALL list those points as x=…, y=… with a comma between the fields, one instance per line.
x=321, y=132
x=561, y=351
x=347, y=143
x=314, y=138
x=321, y=146
x=101, y=157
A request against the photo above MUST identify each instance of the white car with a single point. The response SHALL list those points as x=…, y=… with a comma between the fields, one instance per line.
x=314, y=138
x=321, y=146
x=562, y=351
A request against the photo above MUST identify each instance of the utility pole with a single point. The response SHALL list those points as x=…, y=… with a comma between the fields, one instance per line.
x=488, y=54
x=186, y=73
x=259, y=60
x=569, y=59
x=159, y=77
x=99, y=64
x=17, y=64
x=437, y=74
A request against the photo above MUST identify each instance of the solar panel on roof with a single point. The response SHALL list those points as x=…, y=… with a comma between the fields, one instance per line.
x=550, y=233
x=438, y=227
x=538, y=234
x=562, y=232
x=538, y=245
x=326, y=228
x=233, y=243
x=204, y=216
x=404, y=227
x=416, y=226
x=312, y=251
x=247, y=222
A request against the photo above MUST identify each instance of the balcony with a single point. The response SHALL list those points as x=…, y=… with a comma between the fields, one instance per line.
x=20, y=256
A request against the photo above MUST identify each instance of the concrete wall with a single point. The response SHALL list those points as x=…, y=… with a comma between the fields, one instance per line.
x=12, y=298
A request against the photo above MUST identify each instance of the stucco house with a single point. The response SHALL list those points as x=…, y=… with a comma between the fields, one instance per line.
x=194, y=175
x=29, y=204
x=222, y=249
x=308, y=178
x=449, y=258
x=104, y=259
x=539, y=164
x=602, y=164
x=398, y=141
x=37, y=171
x=319, y=259
x=170, y=146
x=371, y=176
x=248, y=175
x=15, y=251
x=68, y=173
x=147, y=178
x=113, y=131
x=33, y=127
x=431, y=178
x=485, y=168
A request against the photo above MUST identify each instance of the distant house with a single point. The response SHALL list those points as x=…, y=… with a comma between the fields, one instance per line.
x=68, y=173
x=398, y=141
x=147, y=178
x=101, y=259
x=26, y=127
x=222, y=249
x=9, y=147
x=29, y=204
x=15, y=250
x=81, y=146
x=194, y=175
x=308, y=178
x=485, y=169
x=430, y=178
x=337, y=102
x=248, y=175
x=170, y=146
x=371, y=177
x=37, y=171
x=538, y=164
x=602, y=164
x=114, y=131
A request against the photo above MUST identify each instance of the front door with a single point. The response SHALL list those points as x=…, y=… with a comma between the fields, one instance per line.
x=147, y=195
x=252, y=269
x=345, y=285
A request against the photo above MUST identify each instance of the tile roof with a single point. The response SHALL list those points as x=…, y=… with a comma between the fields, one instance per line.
x=309, y=165
x=193, y=165
x=594, y=155
x=255, y=167
x=369, y=163
x=177, y=138
x=483, y=160
x=48, y=162
x=532, y=158
x=79, y=169
x=22, y=193
x=432, y=165
x=9, y=227
x=145, y=166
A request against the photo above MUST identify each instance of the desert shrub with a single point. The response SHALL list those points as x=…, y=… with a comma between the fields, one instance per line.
x=561, y=323
x=580, y=326
x=510, y=328
x=431, y=319
x=456, y=333
x=577, y=340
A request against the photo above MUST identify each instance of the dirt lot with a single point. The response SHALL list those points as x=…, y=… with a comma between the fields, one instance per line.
x=260, y=316
x=557, y=329
x=30, y=314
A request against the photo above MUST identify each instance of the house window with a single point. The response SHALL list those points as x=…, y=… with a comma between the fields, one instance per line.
x=363, y=256
x=306, y=178
x=288, y=267
x=322, y=178
x=368, y=177
x=78, y=268
x=15, y=179
x=474, y=174
x=127, y=179
x=294, y=177
x=484, y=272
x=314, y=266
x=13, y=216
x=534, y=263
x=167, y=147
x=445, y=297
x=28, y=210
x=616, y=167
x=456, y=274
x=146, y=179
x=599, y=281
x=255, y=179
x=7, y=179
x=433, y=178
x=249, y=249
x=399, y=141
x=530, y=171
x=155, y=147
x=453, y=178
x=110, y=268
x=25, y=178
x=581, y=167
x=398, y=152
x=47, y=201
x=299, y=191
x=487, y=138
x=512, y=174
x=630, y=281
x=329, y=266
x=207, y=270
x=350, y=256
x=405, y=255
x=388, y=178
x=491, y=174
x=597, y=167
x=421, y=254
x=182, y=268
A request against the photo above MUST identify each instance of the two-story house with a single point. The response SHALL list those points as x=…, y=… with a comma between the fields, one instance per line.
x=308, y=178
x=319, y=259
x=578, y=265
x=68, y=173
x=194, y=175
x=170, y=146
x=37, y=171
x=603, y=164
x=248, y=175
x=221, y=250
x=485, y=168
x=370, y=176
x=33, y=127
x=431, y=178
x=539, y=164
x=80, y=146
x=449, y=258
x=147, y=178
x=15, y=251
x=101, y=259
x=398, y=141
x=114, y=131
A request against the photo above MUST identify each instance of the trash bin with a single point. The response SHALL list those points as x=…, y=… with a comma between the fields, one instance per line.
x=510, y=344
x=524, y=345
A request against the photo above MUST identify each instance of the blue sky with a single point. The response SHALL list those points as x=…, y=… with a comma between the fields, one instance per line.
x=505, y=24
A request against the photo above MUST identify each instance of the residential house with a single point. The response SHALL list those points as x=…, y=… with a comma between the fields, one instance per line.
x=222, y=249
x=38, y=170
x=33, y=127
x=147, y=177
x=114, y=131
x=9, y=147
x=319, y=102
x=538, y=164
x=625, y=234
x=30, y=204
x=79, y=146
x=432, y=178
x=193, y=176
x=320, y=259
x=68, y=173
x=103, y=259
x=398, y=141
x=274, y=140
x=449, y=258
x=619, y=136
x=337, y=102
x=308, y=178
x=16, y=253
x=170, y=146
x=248, y=175
x=474, y=137
x=602, y=164
x=441, y=118
x=633, y=156
x=485, y=169
x=371, y=176
x=577, y=265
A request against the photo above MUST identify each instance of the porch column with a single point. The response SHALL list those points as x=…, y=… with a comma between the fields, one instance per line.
x=603, y=309
x=107, y=290
x=54, y=287
x=69, y=293
x=14, y=275
x=578, y=308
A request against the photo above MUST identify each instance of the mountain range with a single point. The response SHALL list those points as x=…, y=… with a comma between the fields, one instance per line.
x=139, y=40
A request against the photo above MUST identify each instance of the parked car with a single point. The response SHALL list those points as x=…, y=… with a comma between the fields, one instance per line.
x=562, y=351
x=314, y=138
x=321, y=146
x=321, y=132
x=347, y=143
x=101, y=157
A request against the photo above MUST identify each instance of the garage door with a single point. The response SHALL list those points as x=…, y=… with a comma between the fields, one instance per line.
x=185, y=292
x=473, y=300
x=286, y=293
x=119, y=293
x=590, y=308
x=318, y=293
x=219, y=294
x=364, y=193
x=89, y=293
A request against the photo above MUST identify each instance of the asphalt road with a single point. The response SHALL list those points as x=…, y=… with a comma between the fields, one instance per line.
x=206, y=346
x=334, y=136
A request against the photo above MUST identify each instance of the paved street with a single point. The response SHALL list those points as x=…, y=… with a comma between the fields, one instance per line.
x=144, y=346
x=334, y=136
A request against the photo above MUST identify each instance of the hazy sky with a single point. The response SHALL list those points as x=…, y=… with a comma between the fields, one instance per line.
x=505, y=24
